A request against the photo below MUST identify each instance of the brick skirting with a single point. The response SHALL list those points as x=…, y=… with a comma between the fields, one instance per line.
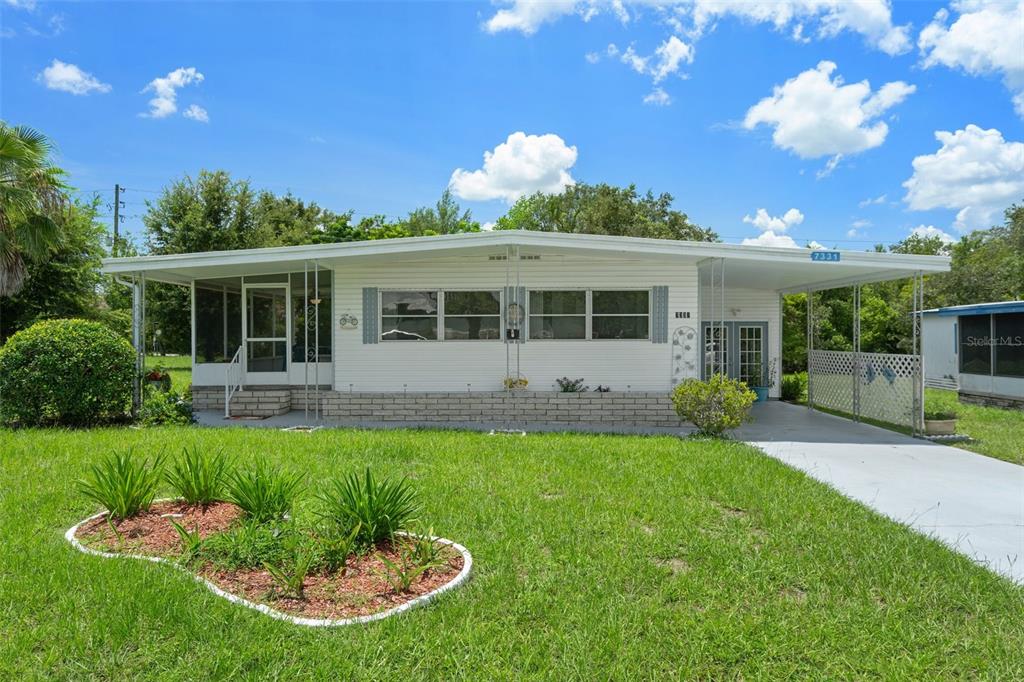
x=497, y=407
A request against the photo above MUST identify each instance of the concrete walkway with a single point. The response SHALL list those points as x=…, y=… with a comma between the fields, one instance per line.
x=973, y=503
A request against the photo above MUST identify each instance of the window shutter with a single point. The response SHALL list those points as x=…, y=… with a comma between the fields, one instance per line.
x=371, y=317
x=659, y=314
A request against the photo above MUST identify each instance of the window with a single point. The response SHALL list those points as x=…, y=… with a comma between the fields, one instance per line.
x=472, y=315
x=751, y=351
x=218, y=311
x=303, y=307
x=585, y=314
x=620, y=314
x=976, y=344
x=408, y=315
x=558, y=314
x=1009, y=344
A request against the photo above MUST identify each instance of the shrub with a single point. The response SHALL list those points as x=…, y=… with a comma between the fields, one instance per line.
x=198, y=478
x=263, y=493
x=715, y=405
x=122, y=483
x=940, y=415
x=374, y=509
x=160, y=408
x=794, y=387
x=65, y=372
x=567, y=385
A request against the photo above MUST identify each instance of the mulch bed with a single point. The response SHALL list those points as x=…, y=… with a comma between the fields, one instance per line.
x=362, y=589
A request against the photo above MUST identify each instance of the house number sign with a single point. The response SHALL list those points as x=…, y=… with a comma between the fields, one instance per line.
x=825, y=256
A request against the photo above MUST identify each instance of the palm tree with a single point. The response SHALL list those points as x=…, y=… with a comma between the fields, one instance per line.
x=31, y=199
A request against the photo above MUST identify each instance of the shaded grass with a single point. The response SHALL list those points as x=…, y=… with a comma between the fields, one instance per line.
x=996, y=432
x=596, y=557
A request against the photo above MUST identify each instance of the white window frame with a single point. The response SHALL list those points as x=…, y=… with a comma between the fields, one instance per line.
x=440, y=314
x=589, y=313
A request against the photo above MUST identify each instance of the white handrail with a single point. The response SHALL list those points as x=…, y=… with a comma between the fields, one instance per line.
x=231, y=385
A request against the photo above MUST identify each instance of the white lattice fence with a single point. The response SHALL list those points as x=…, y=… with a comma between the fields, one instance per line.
x=830, y=378
x=887, y=387
x=885, y=390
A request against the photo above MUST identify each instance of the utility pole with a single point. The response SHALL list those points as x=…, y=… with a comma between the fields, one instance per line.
x=117, y=214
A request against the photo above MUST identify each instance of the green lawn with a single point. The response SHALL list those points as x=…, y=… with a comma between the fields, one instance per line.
x=178, y=366
x=996, y=432
x=597, y=557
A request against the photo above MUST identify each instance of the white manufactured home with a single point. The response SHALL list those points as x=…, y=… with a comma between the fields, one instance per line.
x=977, y=350
x=430, y=328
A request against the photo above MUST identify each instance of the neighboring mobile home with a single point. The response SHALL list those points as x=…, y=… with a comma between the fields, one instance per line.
x=978, y=350
x=429, y=328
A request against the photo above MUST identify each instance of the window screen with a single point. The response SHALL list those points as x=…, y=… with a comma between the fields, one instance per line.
x=976, y=344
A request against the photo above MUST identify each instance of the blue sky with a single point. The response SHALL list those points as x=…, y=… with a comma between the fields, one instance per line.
x=376, y=107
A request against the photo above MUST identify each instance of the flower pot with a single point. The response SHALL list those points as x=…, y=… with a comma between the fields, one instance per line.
x=940, y=427
x=761, y=392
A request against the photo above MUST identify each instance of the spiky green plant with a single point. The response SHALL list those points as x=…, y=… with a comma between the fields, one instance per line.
x=263, y=493
x=423, y=550
x=198, y=478
x=291, y=579
x=375, y=508
x=401, y=576
x=191, y=542
x=123, y=483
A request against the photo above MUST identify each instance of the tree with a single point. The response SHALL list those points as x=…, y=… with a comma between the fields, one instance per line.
x=446, y=217
x=31, y=199
x=65, y=281
x=603, y=209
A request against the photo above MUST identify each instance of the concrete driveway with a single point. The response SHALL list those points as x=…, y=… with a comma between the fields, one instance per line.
x=973, y=503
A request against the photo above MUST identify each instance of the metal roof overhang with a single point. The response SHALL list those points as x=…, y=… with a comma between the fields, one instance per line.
x=778, y=269
x=979, y=309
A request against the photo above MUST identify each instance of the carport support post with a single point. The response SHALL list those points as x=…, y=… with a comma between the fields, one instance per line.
x=918, y=306
x=856, y=353
x=138, y=337
x=810, y=348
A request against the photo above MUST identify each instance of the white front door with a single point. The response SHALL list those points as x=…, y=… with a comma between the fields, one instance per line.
x=266, y=330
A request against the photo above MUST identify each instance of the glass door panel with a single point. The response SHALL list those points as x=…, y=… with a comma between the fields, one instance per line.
x=716, y=350
x=266, y=328
x=751, y=354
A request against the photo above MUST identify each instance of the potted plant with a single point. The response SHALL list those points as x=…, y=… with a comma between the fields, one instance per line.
x=158, y=378
x=518, y=383
x=765, y=382
x=940, y=422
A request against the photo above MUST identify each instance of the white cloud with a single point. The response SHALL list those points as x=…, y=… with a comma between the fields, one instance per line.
x=592, y=57
x=671, y=54
x=197, y=113
x=928, y=231
x=522, y=164
x=829, y=166
x=665, y=61
x=870, y=18
x=881, y=199
x=860, y=224
x=815, y=115
x=987, y=38
x=762, y=221
x=70, y=78
x=527, y=16
x=975, y=172
x=816, y=246
x=820, y=18
x=21, y=4
x=166, y=88
x=769, y=238
x=488, y=226
x=612, y=50
x=658, y=97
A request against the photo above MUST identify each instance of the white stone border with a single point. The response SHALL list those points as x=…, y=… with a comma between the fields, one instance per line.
x=462, y=577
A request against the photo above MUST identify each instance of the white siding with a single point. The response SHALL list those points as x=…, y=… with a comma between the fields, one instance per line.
x=481, y=365
x=750, y=305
